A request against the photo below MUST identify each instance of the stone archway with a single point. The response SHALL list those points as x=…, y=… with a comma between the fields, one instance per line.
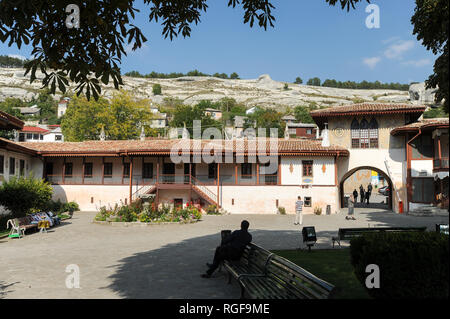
x=354, y=170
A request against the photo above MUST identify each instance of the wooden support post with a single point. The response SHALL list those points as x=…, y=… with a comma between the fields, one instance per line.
x=157, y=170
x=218, y=185
x=82, y=170
x=279, y=170
x=235, y=173
x=103, y=170
x=131, y=179
x=257, y=173
x=439, y=151
x=123, y=168
x=63, y=169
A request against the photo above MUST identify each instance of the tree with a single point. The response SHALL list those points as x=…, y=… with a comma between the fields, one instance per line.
x=234, y=76
x=302, y=115
x=298, y=80
x=48, y=106
x=156, y=89
x=267, y=119
x=186, y=114
x=91, y=54
x=314, y=81
x=431, y=26
x=121, y=118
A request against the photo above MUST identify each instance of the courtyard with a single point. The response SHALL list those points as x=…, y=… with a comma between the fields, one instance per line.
x=158, y=261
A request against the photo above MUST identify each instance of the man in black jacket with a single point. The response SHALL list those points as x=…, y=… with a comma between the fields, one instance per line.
x=231, y=248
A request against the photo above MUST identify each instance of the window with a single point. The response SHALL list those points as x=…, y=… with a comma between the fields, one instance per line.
x=48, y=169
x=147, y=170
x=422, y=190
x=107, y=170
x=212, y=170
x=12, y=166
x=364, y=134
x=308, y=202
x=126, y=170
x=21, y=137
x=41, y=137
x=178, y=203
x=246, y=170
x=58, y=137
x=35, y=136
x=29, y=136
x=87, y=170
x=2, y=164
x=355, y=133
x=373, y=133
x=422, y=147
x=308, y=131
x=22, y=167
x=68, y=169
x=307, y=168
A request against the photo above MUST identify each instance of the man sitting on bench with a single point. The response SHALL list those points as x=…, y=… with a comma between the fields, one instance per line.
x=231, y=249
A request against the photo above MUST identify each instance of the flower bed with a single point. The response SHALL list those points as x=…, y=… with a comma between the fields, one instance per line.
x=138, y=213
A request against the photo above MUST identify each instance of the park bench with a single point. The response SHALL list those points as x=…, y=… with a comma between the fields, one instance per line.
x=20, y=225
x=349, y=233
x=265, y=275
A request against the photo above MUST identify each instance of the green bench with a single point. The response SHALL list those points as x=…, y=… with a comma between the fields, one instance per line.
x=349, y=233
x=265, y=275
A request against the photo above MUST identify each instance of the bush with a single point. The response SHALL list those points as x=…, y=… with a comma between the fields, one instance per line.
x=412, y=265
x=157, y=89
x=70, y=207
x=318, y=210
x=212, y=210
x=281, y=210
x=25, y=195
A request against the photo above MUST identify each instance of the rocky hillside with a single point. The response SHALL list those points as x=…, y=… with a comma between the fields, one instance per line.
x=262, y=91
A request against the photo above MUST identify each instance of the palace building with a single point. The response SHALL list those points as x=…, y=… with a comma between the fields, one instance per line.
x=411, y=154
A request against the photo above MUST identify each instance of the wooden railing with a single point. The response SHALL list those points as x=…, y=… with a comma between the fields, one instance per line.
x=203, y=188
x=440, y=163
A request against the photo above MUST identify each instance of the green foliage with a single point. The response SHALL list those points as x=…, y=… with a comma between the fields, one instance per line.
x=174, y=75
x=302, y=115
x=412, y=265
x=234, y=76
x=186, y=114
x=11, y=62
x=24, y=195
x=364, y=85
x=281, y=210
x=314, y=81
x=121, y=118
x=267, y=119
x=318, y=210
x=431, y=26
x=148, y=214
x=286, y=87
x=298, y=80
x=73, y=55
x=212, y=210
x=156, y=89
x=60, y=207
x=435, y=113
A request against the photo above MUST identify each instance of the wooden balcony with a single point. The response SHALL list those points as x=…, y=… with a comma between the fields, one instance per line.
x=440, y=164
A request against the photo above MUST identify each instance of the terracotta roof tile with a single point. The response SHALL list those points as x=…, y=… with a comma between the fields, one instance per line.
x=422, y=124
x=368, y=108
x=164, y=146
x=33, y=129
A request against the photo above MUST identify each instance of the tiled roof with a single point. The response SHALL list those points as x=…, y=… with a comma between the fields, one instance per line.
x=425, y=123
x=10, y=122
x=16, y=147
x=368, y=108
x=164, y=147
x=33, y=129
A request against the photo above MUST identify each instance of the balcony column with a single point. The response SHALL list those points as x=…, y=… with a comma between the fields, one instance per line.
x=157, y=170
x=439, y=151
x=103, y=170
x=123, y=168
x=257, y=173
x=218, y=185
x=190, y=183
x=131, y=179
x=82, y=170
x=63, y=169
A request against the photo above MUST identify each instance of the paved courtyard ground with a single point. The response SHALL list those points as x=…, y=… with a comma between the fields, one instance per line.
x=162, y=261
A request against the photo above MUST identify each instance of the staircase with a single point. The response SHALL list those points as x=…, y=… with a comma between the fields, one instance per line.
x=430, y=211
x=143, y=190
x=204, y=191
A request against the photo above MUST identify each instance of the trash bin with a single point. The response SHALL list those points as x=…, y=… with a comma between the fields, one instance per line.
x=346, y=199
x=223, y=234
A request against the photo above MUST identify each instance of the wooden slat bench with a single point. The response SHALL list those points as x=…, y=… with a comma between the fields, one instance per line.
x=265, y=275
x=349, y=233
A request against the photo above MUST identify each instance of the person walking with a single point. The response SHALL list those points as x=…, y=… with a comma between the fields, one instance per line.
x=232, y=248
x=298, y=211
x=351, y=207
x=369, y=193
x=367, y=197
x=361, y=193
x=355, y=195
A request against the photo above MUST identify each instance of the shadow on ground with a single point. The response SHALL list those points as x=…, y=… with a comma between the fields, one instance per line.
x=4, y=288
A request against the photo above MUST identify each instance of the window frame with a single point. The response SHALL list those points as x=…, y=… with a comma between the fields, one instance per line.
x=146, y=172
x=68, y=170
x=12, y=166
x=305, y=201
x=110, y=167
x=125, y=171
x=2, y=164
x=245, y=168
x=373, y=134
x=86, y=165
x=307, y=168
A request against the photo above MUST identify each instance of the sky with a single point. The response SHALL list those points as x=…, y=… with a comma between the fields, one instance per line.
x=310, y=39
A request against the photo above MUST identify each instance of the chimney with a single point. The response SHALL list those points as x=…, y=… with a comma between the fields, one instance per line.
x=317, y=133
x=185, y=134
x=102, y=134
x=286, y=132
x=325, y=139
x=142, y=136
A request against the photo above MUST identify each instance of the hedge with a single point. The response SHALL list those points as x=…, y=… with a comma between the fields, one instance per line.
x=412, y=265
